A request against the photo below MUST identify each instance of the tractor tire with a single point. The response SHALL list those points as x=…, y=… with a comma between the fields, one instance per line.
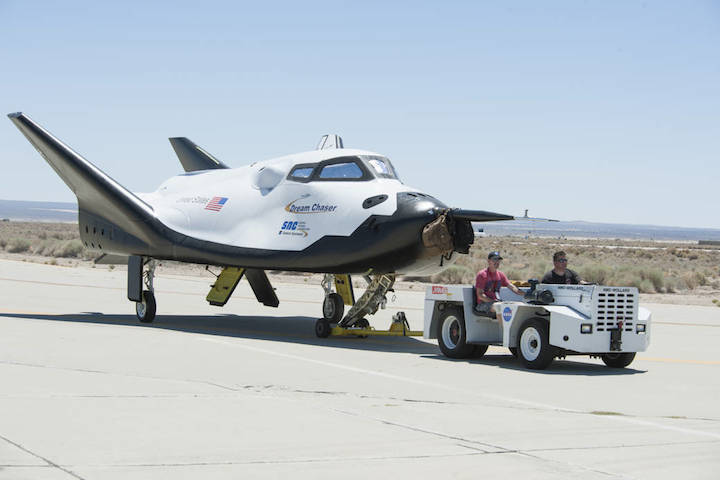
x=451, y=334
x=534, y=347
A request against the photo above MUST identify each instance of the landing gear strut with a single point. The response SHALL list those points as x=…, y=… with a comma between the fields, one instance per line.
x=145, y=309
x=373, y=298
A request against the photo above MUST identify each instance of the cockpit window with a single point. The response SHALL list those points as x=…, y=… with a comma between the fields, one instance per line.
x=301, y=172
x=381, y=166
x=338, y=171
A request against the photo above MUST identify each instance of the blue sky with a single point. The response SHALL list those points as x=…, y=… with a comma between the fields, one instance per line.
x=605, y=111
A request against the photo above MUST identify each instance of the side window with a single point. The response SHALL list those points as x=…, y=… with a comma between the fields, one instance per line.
x=301, y=172
x=381, y=166
x=347, y=170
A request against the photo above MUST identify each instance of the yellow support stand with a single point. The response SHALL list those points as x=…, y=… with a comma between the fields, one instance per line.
x=343, y=286
x=398, y=328
x=224, y=286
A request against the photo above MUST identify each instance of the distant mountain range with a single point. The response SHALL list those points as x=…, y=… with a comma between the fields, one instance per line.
x=18, y=210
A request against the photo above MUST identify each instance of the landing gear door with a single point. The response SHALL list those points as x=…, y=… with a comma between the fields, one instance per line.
x=135, y=284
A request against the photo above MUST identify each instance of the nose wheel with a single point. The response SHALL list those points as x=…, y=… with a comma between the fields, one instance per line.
x=333, y=308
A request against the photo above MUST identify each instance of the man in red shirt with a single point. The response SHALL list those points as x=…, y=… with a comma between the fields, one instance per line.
x=488, y=283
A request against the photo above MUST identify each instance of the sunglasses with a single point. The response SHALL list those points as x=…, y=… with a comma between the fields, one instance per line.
x=561, y=260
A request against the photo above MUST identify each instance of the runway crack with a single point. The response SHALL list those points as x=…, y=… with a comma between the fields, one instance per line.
x=624, y=445
x=475, y=444
x=120, y=374
x=297, y=460
x=49, y=462
x=426, y=431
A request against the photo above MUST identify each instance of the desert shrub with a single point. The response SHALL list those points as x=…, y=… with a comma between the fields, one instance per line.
x=655, y=277
x=647, y=280
x=673, y=285
x=43, y=248
x=693, y=279
x=18, y=245
x=454, y=274
x=645, y=286
x=595, y=273
x=71, y=248
x=538, y=268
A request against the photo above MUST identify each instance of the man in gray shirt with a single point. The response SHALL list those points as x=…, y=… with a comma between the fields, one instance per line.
x=560, y=274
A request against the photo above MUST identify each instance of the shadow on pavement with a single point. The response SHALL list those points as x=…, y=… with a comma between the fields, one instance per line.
x=276, y=329
x=576, y=366
x=301, y=330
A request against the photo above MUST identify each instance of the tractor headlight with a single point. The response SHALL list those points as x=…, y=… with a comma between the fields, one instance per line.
x=586, y=328
x=640, y=328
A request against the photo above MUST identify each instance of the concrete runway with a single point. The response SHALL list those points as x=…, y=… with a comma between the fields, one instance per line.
x=250, y=392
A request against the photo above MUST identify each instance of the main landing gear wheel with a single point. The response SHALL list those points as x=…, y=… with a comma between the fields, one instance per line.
x=451, y=335
x=535, y=350
x=362, y=323
x=322, y=328
x=145, y=310
x=618, y=360
x=333, y=308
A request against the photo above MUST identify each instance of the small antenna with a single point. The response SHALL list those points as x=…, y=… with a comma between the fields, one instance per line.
x=329, y=141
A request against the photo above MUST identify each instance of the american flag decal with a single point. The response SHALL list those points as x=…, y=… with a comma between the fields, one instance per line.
x=216, y=203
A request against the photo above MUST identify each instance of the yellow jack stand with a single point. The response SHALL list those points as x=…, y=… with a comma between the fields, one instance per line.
x=398, y=328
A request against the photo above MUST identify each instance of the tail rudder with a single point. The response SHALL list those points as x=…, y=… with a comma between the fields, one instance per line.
x=192, y=157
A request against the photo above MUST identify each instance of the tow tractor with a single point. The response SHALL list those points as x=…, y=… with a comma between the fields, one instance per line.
x=549, y=321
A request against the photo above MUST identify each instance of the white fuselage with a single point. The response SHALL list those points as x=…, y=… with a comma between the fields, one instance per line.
x=264, y=209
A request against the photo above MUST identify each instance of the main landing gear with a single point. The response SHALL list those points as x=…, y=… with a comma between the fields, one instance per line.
x=141, y=272
x=334, y=303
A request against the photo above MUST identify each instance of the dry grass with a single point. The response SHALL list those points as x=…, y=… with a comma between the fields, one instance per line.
x=651, y=266
x=58, y=240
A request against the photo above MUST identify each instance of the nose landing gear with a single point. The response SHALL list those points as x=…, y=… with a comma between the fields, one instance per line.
x=334, y=305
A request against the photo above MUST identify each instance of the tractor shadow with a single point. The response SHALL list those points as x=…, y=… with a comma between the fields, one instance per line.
x=575, y=365
x=294, y=329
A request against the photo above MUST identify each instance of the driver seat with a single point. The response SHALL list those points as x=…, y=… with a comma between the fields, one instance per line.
x=475, y=307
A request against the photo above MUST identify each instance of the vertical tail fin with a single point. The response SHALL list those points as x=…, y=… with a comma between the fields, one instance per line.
x=192, y=157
